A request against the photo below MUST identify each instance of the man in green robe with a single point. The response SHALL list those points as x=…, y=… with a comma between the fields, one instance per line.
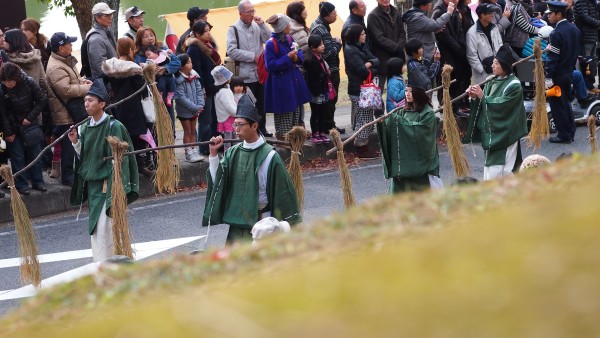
x=250, y=182
x=498, y=117
x=408, y=142
x=93, y=175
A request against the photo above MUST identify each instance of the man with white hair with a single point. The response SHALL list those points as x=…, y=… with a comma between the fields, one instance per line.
x=101, y=44
x=245, y=40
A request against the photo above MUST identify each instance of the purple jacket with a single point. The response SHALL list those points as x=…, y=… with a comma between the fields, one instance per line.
x=285, y=88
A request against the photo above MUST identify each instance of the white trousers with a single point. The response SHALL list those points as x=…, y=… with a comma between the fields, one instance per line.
x=102, y=238
x=495, y=171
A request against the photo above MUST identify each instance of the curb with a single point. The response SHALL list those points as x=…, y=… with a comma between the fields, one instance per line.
x=56, y=199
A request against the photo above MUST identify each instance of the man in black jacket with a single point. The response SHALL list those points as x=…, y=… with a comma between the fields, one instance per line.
x=358, y=11
x=588, y=22
x=386, y=34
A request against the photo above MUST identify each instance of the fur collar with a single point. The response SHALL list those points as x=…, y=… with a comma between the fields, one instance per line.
x=25, y=58
x=203, y=47
x=120, y=68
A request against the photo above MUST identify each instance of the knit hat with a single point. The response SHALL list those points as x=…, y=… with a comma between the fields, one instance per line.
x=534, y=161
x=279, y=22
x=221, y=75
x=506, y=56
x=246, y=109
x=325, y=8
x=99, y=90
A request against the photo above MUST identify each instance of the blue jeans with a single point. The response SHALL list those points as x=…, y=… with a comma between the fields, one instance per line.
x=204, y=123
x=20, y=156
x=579, y=85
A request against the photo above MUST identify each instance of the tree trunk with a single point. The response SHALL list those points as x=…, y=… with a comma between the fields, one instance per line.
x=83, y=14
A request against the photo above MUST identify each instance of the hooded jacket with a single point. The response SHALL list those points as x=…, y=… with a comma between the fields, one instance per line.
x=65, y=80
x=125, y=78
x=420, y=26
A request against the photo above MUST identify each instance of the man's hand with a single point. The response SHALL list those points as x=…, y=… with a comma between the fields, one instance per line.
x=73, y=135
x=258, y=20
x=26, y=122
x=506, y=13
x=368, y=65
x=87, y=82
x=475, y=91
x=10, y=139
x=437, y=55
x=451, y=8
x=216, y=145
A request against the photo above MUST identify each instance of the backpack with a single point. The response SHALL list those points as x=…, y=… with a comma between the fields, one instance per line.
x=261, y=69
x=86, y=70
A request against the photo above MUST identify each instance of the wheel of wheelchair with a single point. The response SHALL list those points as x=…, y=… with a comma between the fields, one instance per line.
x=551, y=125
x=596, y=112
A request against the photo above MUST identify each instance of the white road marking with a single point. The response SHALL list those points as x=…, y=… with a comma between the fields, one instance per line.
x=142, y=250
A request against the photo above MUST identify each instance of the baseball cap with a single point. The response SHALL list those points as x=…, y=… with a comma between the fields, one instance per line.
x=102, y=8
x=60, y=39
x=133, y=12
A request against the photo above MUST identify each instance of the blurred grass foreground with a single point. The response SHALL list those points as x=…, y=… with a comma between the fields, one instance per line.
x=512, y=258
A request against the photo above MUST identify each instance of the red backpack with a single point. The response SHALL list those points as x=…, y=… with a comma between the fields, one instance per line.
x=261, y=69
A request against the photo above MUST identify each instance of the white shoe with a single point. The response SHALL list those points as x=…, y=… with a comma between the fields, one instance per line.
x=188, y=155
x=196, y=157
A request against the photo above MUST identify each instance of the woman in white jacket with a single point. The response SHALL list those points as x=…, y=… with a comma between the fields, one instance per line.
x=225, y=105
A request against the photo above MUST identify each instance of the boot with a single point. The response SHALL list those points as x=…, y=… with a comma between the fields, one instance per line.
x=365, y=153
x=142, y=168
x=55, y=172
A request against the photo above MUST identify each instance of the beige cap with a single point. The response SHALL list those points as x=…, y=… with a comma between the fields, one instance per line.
x=102, y=8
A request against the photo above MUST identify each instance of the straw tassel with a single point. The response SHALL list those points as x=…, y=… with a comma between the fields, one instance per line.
x=450, y=127
x=592, y=136
x=118, y=207
x=167, y=171
x=296, y=137
x=345, y=179
x=30, y=266
x=539, y=121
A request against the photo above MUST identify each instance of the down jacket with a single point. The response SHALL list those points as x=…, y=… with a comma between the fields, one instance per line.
x=478, y=48
x=25, y=101
x=587, y=20
x=65, y=80
x=355, y=57
x=125, y=78
x=189, y=95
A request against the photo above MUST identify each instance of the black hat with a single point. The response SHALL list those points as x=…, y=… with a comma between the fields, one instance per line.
x=556, y=6
x=506, y=56
x=246, y=109
x=196, y=12
x=60, y=39
x=485, y=8
x=99, y=90
x=325, y=8
x=419, y=3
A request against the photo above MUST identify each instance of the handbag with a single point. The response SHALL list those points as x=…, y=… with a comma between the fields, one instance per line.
x=75, y=107
x=370, y=94
x=31, y=134
x=148, y=108
x=330, y=90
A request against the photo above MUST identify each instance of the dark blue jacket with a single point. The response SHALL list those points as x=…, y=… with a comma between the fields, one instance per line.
x=565, y=40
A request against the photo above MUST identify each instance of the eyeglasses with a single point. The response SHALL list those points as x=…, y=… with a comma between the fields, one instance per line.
x=239, y=125
x=252, y=11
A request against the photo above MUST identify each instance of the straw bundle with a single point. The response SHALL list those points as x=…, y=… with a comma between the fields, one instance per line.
x=167, y=171
x=118, y=207
x=459, y=160
x=296, y=137
x=539, y=121
x=30, y=266
x=592, y=136
x=344, y=171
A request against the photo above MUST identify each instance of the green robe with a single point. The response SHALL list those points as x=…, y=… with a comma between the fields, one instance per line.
x=498, y=120
x=409, y=149
x=91, y=171
x=233, y=198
